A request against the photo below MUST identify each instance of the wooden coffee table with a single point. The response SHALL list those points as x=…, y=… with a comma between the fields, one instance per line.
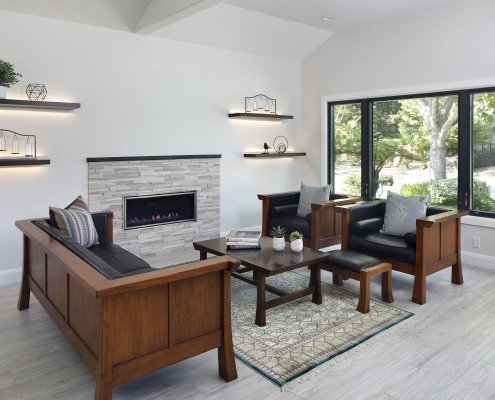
x=268, y=262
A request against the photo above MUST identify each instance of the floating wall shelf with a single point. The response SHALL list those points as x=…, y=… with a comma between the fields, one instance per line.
x=274, y=155
x=40, y=105
x=274, y=117
x=17, y=162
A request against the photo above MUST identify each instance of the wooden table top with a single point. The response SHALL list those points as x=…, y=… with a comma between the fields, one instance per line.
x=266, y=259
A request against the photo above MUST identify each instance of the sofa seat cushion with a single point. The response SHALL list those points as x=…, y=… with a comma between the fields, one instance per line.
x=378, y=246
x=284, y=210
x=120, y=259
x=291, y=224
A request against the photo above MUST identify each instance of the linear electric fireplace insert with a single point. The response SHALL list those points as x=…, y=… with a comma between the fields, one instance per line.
x=160, y=209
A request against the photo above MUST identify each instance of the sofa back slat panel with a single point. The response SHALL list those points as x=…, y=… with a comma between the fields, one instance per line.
x=84, y=316
x=196, y=315
x=128, y=317
x=431, y=244
x=56, y=284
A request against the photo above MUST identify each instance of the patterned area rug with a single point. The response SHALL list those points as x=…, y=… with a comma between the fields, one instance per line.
x=300, y=336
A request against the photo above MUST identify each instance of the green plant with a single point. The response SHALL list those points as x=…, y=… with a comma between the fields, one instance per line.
x=278, y=232
x=295, y=235
x=444, y=193
x=8, y=76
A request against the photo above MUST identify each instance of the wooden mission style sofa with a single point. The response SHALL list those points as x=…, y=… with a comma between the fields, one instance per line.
x=127, y=323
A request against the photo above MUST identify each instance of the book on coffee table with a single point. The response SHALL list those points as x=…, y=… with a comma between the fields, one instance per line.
x=241, y=236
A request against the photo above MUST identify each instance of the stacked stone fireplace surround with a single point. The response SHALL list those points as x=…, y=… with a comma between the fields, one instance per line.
x=113, y=178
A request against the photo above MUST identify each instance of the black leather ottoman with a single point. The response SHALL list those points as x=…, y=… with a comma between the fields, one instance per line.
x=349, y=264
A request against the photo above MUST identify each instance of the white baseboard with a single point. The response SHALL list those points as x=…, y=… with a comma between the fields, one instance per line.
x=10, y=276
x=481, y=260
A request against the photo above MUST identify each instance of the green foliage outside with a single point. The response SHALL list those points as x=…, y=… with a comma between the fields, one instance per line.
x=444, y=193
x=8, y=76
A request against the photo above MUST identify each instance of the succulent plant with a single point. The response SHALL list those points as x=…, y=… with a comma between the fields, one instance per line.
x=278, y=232
x=295, y=235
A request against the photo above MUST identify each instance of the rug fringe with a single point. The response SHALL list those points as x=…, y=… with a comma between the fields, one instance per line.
x=342, y=357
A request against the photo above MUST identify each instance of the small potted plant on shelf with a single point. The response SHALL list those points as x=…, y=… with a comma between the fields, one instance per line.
x=296, y=242
x=278, y=238
x=8, y=77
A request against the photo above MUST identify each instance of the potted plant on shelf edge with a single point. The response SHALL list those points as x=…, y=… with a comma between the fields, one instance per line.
x=8, y=77
x=296, y=242
x=278, y=238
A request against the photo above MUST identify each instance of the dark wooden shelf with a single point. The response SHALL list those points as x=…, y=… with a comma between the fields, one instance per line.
x=16, y=162
x=40, y=105
x=148, y=158
x=274, y=117
x=274, y=155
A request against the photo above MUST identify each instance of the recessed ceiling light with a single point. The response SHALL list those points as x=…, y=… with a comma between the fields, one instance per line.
x=326, y=18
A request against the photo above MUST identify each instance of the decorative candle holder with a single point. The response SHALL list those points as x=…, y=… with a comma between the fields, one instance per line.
x=14, y=140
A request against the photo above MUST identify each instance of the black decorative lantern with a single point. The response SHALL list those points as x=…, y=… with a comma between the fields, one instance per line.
x=36, y=92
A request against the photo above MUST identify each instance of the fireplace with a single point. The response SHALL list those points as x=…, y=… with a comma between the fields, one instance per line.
x=160, y=209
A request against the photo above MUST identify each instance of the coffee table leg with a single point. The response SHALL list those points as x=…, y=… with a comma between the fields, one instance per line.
x=260, y=298
x=202, y=255
x=315, y=281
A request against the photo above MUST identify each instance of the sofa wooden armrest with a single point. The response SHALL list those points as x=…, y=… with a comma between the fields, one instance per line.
x=437, y=246
x=128, y=327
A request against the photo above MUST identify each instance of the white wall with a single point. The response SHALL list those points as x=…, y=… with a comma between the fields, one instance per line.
x=447, y=47
x=139, y=96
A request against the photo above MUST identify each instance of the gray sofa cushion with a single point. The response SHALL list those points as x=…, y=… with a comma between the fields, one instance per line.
x=311, y=194
x=402, y=212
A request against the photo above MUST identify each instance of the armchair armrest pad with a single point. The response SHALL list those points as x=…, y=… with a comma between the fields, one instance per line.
x=366, y=226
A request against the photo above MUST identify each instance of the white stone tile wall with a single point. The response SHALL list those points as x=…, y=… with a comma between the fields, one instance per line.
x=160, y=245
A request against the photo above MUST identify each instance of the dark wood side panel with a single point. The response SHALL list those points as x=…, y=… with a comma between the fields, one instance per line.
x=37, y=270
x=85, y=316
x=431, y=243
x=448, y=233
x=196, y=307
x=128, y=318
x=56, y=284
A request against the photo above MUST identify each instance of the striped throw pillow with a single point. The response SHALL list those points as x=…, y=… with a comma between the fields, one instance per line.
x=76, y=221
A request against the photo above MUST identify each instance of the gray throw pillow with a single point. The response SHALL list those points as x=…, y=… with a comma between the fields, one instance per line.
x=401, y=213
x=311, y=194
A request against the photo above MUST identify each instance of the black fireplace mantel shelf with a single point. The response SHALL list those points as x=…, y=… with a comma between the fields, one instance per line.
x=19, y=162
x=40, y=105
x=151, y=158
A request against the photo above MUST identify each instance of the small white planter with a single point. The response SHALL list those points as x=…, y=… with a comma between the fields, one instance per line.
x=3, y=92
x=278, y=244
x=296, y=245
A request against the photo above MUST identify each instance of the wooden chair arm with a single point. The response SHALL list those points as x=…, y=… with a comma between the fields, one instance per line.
x=429, y=221
x=315, y=207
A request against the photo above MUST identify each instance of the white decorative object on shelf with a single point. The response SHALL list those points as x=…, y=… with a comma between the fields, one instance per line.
x=3, y=92
x=278, y=243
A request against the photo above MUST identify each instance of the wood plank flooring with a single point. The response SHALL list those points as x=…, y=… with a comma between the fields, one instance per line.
x=446, y=351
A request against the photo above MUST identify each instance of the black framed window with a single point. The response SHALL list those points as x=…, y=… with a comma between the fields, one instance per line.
x=438, y=143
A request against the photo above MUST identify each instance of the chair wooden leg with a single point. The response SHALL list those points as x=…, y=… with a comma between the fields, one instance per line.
x=103, y=389
x=364, y=292
x=419, y=289
x=387, y=294
x=24, y=293
x=457, y=277
x=337, y=279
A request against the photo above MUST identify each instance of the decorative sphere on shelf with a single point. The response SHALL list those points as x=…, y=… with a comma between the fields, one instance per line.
x=36, y=92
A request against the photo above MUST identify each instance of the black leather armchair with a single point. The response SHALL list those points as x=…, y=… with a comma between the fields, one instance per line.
x=320, y=228
x=433, y=246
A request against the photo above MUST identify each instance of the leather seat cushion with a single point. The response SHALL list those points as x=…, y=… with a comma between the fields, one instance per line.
x=365, y=245
x=351, y=260
x=120, y=259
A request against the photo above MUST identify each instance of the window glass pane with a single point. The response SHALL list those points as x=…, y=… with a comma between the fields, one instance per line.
x=483, y=190
x=347, y=149
x=415, y=148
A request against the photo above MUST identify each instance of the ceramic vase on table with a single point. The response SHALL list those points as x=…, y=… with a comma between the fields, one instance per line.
x=278, y=243
x=296, y=245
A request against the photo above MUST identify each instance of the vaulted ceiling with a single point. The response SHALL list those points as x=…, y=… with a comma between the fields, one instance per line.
x=289, y=29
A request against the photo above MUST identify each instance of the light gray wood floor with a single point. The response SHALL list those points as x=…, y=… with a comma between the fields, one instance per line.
x=446, y=351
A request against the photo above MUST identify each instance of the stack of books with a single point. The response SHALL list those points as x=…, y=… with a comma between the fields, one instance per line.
x=243, y=240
